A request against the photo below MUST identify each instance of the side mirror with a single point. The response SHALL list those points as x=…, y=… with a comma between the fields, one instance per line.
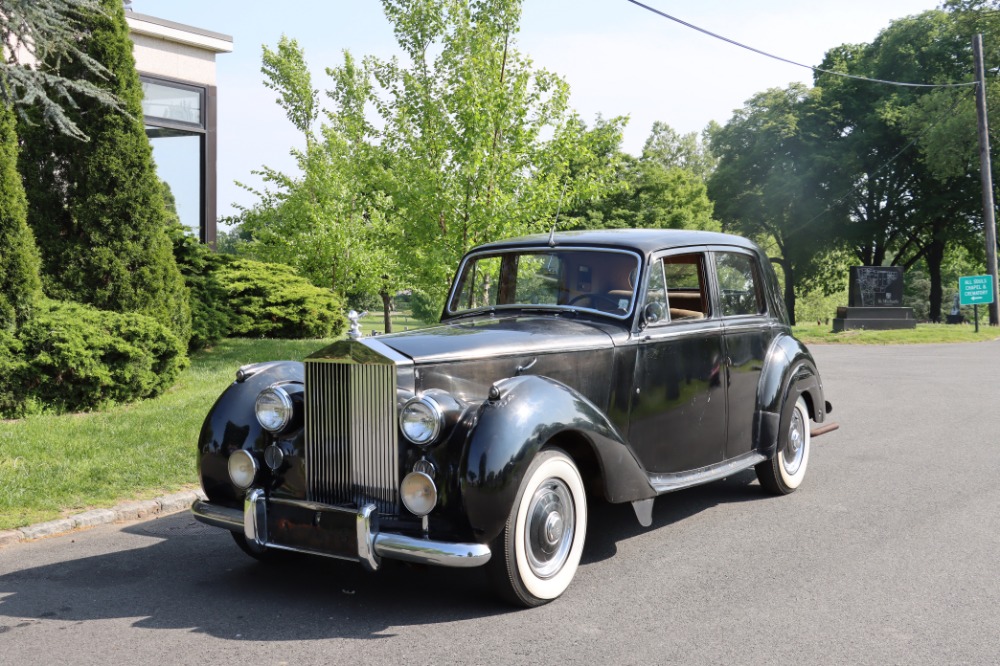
x=653, y=312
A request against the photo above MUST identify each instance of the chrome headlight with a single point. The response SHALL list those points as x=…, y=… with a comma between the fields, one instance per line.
x=418, y=492
x=421, y=419
x=242, y=469
x=273, y=409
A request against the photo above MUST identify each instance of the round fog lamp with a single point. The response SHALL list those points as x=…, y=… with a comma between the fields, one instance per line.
x=273, y=408
x=419, y=493
x=420, y=420
x=242, y=469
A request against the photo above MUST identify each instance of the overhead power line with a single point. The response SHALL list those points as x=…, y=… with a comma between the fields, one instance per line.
x=798, y=64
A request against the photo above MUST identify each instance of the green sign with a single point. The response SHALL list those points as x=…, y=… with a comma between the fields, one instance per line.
x=975, y=290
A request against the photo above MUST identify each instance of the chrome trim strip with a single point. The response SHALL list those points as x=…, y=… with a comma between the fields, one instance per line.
x=372, y=544
x=255, y=517
x=665, y=483
x=367, y=530
x=425, y=551
x=217, y=516
x=542, y=248
x=405, y=377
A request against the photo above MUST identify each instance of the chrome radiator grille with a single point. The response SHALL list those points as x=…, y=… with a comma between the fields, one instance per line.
x=351, y=445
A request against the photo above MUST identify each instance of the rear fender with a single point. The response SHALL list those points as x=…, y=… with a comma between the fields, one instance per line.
x=789, y=372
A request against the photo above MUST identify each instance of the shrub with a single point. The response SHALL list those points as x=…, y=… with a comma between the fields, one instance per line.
x=72, y=357
x=12, y=367
x=425, y=308
x=20, y=286
x=210, y=311
x=273, y=301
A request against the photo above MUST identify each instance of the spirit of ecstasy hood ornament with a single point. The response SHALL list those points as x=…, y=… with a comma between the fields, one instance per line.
x=354, y=318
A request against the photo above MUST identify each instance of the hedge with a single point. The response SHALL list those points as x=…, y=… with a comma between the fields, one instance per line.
x=71, y=357
x=273, y=301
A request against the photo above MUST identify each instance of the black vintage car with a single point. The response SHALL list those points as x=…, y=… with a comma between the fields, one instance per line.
x=568, y=368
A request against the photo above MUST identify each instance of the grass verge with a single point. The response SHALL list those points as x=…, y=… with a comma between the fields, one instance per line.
x=922, y=334
x=51, y=466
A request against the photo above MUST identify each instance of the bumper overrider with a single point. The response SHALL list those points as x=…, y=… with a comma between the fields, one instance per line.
x=331, y=531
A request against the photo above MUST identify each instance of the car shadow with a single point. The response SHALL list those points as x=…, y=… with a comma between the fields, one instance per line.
x=181, y=574
x=617, y=522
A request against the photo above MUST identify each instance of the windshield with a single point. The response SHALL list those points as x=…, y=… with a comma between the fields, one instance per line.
x=599, y=280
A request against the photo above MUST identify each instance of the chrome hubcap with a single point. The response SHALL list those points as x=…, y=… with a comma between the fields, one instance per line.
x=795, y=448
x=549, y=528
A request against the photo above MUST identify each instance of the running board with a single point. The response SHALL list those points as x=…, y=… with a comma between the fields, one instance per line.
x=666, y=483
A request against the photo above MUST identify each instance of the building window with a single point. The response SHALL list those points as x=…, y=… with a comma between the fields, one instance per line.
x=180, y=121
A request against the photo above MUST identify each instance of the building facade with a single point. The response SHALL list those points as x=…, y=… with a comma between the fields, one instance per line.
x=176, y=64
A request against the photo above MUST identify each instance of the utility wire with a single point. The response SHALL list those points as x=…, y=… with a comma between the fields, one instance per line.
x=798, y=64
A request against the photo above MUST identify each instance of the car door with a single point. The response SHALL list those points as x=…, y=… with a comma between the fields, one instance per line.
x=747, y=333
x=678, y=413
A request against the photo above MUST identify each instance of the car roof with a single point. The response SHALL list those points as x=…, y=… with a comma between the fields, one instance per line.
x=641, y=240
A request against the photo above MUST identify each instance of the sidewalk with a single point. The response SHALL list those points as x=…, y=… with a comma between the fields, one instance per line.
x=128, y=511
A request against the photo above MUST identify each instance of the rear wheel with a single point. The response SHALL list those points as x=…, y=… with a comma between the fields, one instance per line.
x=537, y=554
x=784, y=472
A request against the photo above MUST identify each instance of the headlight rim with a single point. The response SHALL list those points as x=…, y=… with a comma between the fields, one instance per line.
x=428, y=484
x=286, y=402
x=254, y=466
x=437, y=411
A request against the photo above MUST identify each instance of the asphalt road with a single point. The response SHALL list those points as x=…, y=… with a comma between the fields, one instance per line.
x=888, y=554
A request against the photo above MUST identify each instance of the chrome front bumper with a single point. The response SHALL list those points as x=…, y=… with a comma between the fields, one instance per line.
x=356, y=533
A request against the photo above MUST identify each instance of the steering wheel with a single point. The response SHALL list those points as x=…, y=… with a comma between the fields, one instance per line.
x=596, y=300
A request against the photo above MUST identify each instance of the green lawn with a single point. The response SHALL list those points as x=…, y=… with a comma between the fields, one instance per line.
x=56, y=465
x=401, y=321
x=923, y=333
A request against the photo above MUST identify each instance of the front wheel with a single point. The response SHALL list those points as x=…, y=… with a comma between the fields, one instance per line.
x=537, y=554
x=784, y=472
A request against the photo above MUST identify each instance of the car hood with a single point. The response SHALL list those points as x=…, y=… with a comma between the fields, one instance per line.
x=494, y=337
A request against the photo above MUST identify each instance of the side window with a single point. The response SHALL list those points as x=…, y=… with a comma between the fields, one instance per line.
x=677, y=283
x=739, y=287
x=656, y=292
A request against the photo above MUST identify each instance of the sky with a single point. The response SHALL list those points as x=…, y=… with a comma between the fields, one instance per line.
x=618, y=59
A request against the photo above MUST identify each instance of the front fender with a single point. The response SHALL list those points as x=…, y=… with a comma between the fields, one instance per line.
x=789, y=372
x=231, y=425
x=509, y=429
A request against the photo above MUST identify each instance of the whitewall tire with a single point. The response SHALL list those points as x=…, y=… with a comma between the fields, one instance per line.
x=537, y=554
x=784, y=472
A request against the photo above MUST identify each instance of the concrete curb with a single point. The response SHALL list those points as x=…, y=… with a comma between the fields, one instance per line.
x=122, y=513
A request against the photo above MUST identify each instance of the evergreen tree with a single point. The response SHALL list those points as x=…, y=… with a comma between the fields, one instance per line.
x=96, y=208
x=20, y=287
x=47, y=30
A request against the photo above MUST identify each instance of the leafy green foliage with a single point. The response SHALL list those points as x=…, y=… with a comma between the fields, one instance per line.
x=199, y=266
x=272, y=300
x=471, y=144
x=72, y=357
x=20, y=286
x=50, y=31
x=773, y=179
x=96, y=208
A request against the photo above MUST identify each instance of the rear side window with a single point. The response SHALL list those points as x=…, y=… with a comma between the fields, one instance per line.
x=739, y=284
x=677, y=282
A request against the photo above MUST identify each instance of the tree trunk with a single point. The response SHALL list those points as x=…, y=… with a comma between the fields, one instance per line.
x=934, y=257
x=386, y=306
x=787, y=271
